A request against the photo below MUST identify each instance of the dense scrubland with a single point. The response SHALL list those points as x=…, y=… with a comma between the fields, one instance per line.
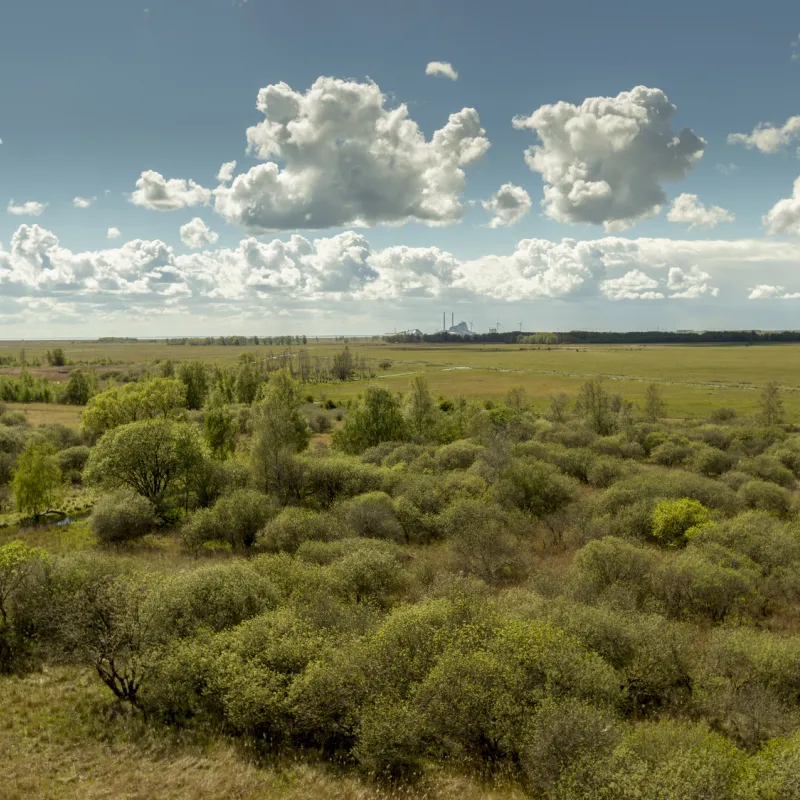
x=409, y=595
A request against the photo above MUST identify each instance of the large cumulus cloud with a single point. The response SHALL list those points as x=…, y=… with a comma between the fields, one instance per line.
x=603, y=161
x=342, y=274
x=336, y=156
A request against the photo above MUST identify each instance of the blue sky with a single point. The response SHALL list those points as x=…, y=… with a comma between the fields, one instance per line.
x=97, y=93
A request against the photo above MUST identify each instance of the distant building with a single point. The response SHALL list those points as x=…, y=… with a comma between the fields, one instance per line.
x=461, y=329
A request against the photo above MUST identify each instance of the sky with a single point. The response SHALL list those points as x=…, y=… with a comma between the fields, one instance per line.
x=211, y=167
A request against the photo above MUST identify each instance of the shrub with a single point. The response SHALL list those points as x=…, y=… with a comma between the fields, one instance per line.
x=671, y=453
x=673, y=518
x=764, y=496
x=321, y=423
x=458, y=455
x=724, y=414
x=293, y=526
x=695, y=584
x=735, y=479
x=711, y=462
x=608, y=563
x=667, y=759
x=534, y=487
x=214, y=598
x=7, y=463
x=123, y=516
x=335, y=477
x=482, y=540
x=388, y=743
x=235, y=518
x=768, y=469
x=372, y=516
x=561, y=733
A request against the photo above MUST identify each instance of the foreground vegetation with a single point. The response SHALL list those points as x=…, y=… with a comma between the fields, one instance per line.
x=409, y=595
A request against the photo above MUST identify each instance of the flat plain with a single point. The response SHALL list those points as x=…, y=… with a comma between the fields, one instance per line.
x=694, y=378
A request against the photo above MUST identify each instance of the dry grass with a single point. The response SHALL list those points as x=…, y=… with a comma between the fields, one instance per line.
x=61, y=739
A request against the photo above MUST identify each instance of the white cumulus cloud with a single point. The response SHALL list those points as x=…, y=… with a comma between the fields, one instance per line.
x=441, y=69
x=686, y=208
x=156, y=192
x=690, y=284
x=29, y=209
x=507, y=205
x=347, y=159
x=196, y=234
x=633, y=285
x=603, y=161
x=82, y=202
x=113, y=233
x=225, y=174
x=768, y=138
x=784, y=216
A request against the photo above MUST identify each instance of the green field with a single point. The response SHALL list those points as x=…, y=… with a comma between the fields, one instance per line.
x=695, y=378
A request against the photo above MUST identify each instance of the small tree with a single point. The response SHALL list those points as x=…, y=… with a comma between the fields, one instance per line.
x=377, y=418
x=279, y=432
x=595, y=406
x=195, y=377
x=420, y=408
x=771, y=403
x=559, y=407
x=342, y=367
x=654, y=405
x=517, y=398
x=37, y=479
x=220, y=428
x=80, y=387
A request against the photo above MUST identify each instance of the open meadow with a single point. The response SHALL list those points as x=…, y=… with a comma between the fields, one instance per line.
x=694, y=378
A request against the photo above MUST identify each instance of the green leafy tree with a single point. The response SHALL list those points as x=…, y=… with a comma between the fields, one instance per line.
x=377, y=418
x=37, y=479
x=152, y=457
x=195, y=377
x=654, y=406
x=220, y=427
x=279, y=432
x=248, y=381
x=594, y=405
x=80, y=387
x=672, y=519
x=159, y=398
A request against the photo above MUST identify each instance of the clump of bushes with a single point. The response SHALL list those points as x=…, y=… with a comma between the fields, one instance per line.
x=122, y=517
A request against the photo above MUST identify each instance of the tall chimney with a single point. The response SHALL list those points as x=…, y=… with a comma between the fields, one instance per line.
x=444, y=321
x=452, y=319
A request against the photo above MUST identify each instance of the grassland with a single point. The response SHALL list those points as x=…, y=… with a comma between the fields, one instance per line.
x=694, y=378
x=61, y=740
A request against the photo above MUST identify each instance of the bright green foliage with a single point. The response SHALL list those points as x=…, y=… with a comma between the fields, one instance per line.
x=377, y=418
x=594, y=405
x=16, y=560
x=162, y=398
x=673, y=518
x=153, y=457
x=248, y=381
x=37, y=478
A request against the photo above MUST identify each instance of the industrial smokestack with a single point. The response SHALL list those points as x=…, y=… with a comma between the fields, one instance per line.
x=452, y=319
x=444, y=321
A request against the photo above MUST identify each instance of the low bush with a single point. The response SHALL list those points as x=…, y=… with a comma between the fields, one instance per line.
x=122, y=517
